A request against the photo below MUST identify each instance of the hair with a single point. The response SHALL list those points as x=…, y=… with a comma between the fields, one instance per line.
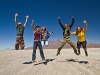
x=37, y=27
x=77, y=30
x=66, y=23
x=19, y=25
x=43, y=27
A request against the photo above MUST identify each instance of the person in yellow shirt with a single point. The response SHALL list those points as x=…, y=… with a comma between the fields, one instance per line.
x=80, y=33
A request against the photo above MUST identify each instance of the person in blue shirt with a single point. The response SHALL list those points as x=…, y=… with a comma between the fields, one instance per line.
x=44, y=36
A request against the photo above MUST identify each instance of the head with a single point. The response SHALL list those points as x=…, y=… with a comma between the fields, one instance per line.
x=79, y=28
x=37, y=28
x=44, y=28
x=66, y=25
x=19, y=25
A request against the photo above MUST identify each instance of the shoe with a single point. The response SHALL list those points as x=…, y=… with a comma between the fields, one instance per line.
x=43, y=60
x=79, y=52
x=76, y=53
x=33, y=61
x=86, y=53
x=57, y=53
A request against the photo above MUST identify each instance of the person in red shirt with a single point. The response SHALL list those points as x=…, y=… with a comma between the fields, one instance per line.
x=37, y=42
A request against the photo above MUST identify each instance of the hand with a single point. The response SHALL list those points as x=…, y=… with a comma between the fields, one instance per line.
x=72, y=16
x=52, y=31
x=58, y=17
x=32, y=21
x=27, y=16
x=16, y=14
x=84, y=21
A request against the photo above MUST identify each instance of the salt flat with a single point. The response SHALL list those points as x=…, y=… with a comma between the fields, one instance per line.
x=17, y=62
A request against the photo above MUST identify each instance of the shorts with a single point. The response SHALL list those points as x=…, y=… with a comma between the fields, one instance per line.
x=44, y=43
x=83, y=44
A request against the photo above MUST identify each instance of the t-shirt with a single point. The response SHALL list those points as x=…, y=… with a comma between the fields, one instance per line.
x=81, y=36
x=44, y=35
x=20, y=30
x=37, y=35
x=66, y=32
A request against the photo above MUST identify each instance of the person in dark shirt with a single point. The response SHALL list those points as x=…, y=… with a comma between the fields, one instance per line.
x=37, y=42
x=20, y=33
x=66, y=36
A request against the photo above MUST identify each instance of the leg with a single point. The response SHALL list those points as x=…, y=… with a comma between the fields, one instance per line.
x=34, y=50
x=42, y=42
x=46, y=43
x=41, y=50
x=61, y=46
x=78, y=46
x=17, y=44
x=84, y=47
x=22, y=44
x=72, y=45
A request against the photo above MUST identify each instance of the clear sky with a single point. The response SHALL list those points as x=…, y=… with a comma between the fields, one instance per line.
x=46, y=13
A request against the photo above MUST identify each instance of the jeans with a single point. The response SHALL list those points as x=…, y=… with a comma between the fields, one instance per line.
x=35, y=45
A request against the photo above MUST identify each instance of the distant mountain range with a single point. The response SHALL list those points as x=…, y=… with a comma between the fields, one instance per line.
x=55, y=44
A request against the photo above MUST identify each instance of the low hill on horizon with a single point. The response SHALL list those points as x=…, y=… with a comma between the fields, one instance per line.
x=54, y=44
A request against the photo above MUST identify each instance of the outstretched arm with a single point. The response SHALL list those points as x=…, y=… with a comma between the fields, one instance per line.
x=26, y=20
x=50, y=33
x=32, y=25
x=15, y=19
x=86, y=25
x=60, y=22
x=73, y=33
x=72, y=22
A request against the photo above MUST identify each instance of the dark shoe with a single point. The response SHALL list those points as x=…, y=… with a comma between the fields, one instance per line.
x=86, y=53
x=57, y=53
x=78, y=51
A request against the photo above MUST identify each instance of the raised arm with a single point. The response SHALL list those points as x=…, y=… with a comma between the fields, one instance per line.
x=72, y=22
x=50, y=33
x=86, y=25
x=32, y=25
x=60, y=22
x=15, y=19
x=26, y=20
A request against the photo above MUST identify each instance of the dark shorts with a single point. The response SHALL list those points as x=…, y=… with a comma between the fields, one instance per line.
x=83, y=44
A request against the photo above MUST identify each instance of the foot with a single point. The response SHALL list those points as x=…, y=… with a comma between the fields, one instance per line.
x=79, y=52
x=57, y=53
x=43, y=60
x=86, y=53
x=76, y=52
x=33, y=61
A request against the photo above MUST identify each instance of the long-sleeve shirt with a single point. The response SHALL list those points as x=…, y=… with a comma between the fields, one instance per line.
x=46, y=35
x=63, y=27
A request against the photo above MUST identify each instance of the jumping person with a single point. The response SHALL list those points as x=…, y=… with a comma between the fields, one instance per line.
x=20, y=33
x=66, y=35
x=80, y=33
x=44, y=36
x=37, y=42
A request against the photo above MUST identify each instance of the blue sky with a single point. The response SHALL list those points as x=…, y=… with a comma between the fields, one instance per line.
x=46, y=13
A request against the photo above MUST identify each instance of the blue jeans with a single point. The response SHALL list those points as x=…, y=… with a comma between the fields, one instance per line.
x=35, y=45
